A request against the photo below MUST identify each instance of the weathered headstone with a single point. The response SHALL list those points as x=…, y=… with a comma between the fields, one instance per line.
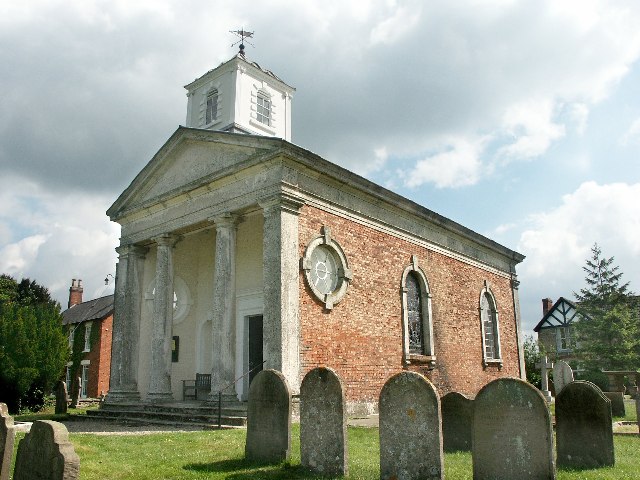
x=562, y=375
x=512, y=436
x=638, y=412
x=457, y=417
x=46, y=453
x=584, y=432
x=410, y=429
x=62, y=398
x=617, y=403
x=269, y=418
x=545, y=365
x=323, y=423
x=7, y=439
x=75, y=392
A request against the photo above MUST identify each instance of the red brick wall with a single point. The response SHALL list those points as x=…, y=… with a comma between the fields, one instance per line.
x=100, y=357
x=361, y=338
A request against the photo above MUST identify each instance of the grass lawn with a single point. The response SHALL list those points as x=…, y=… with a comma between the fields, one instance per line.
x=218, y=455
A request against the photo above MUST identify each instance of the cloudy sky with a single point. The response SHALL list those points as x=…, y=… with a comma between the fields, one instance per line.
x=518, y=119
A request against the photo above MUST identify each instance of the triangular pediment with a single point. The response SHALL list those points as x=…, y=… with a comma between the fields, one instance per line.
x=562, y=314
x=189, y=159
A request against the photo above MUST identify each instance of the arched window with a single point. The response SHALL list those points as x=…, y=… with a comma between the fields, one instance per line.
x=212, y=106
x=263, y=108
x=416, y=316
x=490, y=328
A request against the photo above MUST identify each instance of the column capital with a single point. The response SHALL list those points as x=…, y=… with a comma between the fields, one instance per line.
x=165, y=240
x=225, y=220
x=131, y=249
x=282, y=201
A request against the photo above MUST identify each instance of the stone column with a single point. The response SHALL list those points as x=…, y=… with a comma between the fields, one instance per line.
x=515, y=283
x=281, y=262
x=160, y=375
x=123, y=383
x=223, y=315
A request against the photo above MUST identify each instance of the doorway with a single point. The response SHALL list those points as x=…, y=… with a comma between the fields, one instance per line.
x=255, y=346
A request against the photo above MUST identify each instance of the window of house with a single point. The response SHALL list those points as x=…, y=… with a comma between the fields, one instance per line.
x=490, y=330
x=416, y=316
x=212, y=106
x=263, y=110
x=67, y=379
x=72, y=333
x=84, y=381
x=563, y=338
x=87, y=337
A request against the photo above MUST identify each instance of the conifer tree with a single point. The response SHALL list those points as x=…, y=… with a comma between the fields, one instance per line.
x=33, y=347
x=607, y=334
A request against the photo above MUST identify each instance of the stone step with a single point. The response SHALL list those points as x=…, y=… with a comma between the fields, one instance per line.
x=136, y=420
x=235, y=410
x=169, y=417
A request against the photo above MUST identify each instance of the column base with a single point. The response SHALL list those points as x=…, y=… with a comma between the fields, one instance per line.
x=160, y=397
x=122, y=396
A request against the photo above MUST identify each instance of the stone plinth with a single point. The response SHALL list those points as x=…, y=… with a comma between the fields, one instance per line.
x=7, y=439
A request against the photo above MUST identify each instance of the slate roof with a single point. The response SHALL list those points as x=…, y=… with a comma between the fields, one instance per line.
x=561, y=314
x=95, y=309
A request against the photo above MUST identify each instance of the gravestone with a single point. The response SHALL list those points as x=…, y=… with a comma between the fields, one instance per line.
x=62, y=399
x=268, y=418
x=46, y=453
x=584, y=432
x=323, y=423
x=562, y=375
x=545, y=365
x=7, y=439
x=617, y=403
x=410, y=429
x=638, y=412
x=75, y=392
x=457, y=417
x=512, y=436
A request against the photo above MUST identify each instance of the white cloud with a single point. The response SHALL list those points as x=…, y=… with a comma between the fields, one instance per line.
x=558, y=242
x=531, y=125
x=56, y=237
x=19, y=257
x=457, y=165
x=579, y=114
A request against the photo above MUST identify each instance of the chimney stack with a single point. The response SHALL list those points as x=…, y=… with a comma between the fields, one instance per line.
x=75, y=293
x=547, y=303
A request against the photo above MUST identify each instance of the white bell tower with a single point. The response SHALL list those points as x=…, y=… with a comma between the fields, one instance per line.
x=242, y=97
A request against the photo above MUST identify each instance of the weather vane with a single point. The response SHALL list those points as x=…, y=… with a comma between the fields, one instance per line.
x=243, y=34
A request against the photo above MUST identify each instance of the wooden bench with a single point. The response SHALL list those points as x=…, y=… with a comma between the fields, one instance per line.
x=190, y=388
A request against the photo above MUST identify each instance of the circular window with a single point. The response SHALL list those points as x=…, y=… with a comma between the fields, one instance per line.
x=326, y=269
x=181, y=298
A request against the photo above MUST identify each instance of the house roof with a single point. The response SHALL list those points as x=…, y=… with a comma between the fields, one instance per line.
x=96, y=309
x=562, y=314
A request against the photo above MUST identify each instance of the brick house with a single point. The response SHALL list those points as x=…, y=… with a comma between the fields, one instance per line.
x=239, y=250
x=555, y=331
x=89, y=328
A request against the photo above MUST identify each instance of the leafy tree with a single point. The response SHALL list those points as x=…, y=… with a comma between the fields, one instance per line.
x=533, y=352
x=33, y=348
x=607, y=334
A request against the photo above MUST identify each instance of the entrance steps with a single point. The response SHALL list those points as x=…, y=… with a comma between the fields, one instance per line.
x=192, y=414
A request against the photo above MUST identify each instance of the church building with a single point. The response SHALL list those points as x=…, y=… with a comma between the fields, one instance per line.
x=241, y=251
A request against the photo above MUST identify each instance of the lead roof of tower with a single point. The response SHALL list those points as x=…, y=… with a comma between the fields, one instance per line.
x=242, y=57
